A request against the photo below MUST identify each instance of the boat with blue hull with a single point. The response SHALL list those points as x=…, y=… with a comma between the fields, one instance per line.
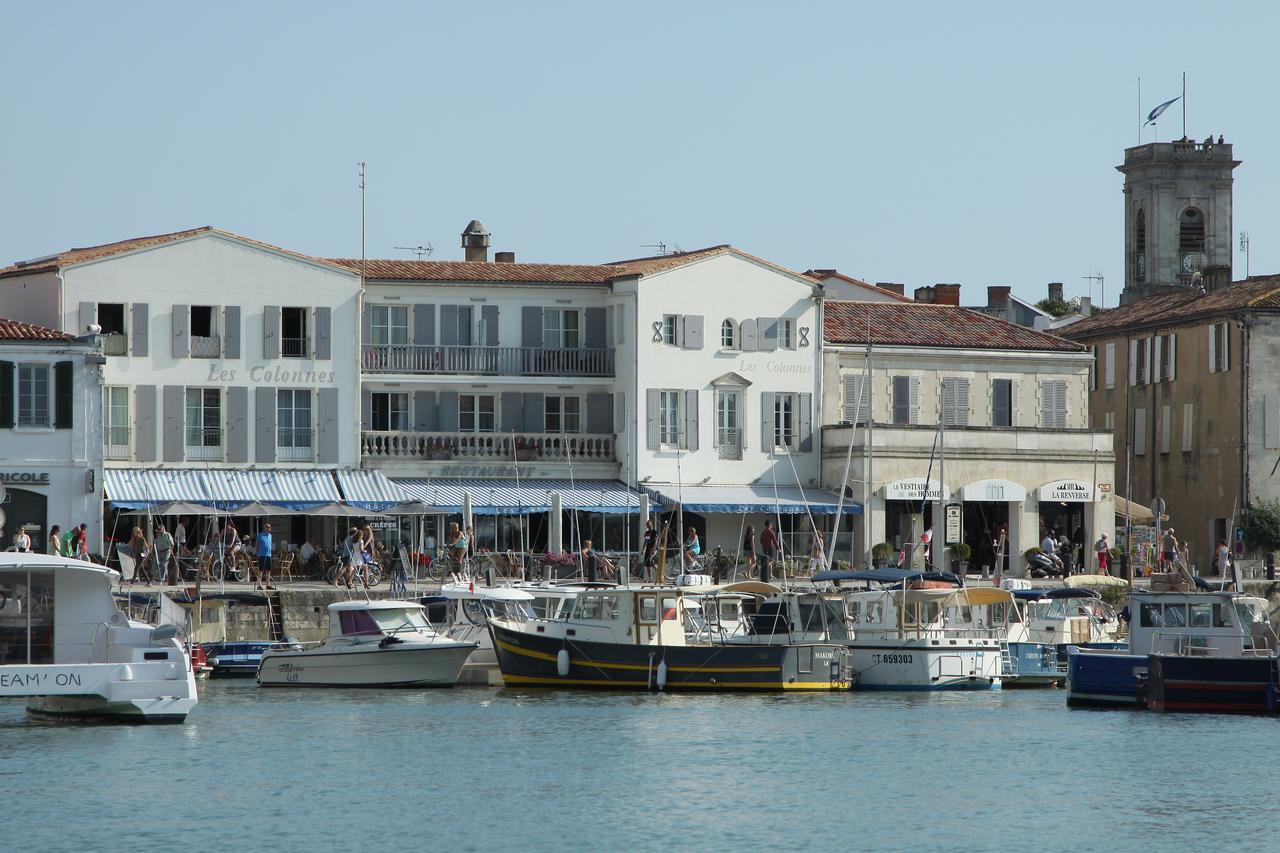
x=1045, y=622
x=1245, y=685
x=1209, y=626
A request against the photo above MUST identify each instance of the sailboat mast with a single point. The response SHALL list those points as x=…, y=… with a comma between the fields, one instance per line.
x=936, y=541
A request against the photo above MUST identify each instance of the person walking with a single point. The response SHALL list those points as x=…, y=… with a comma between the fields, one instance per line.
x=348, y=555
x=769, y=545
x=749, y=549
x=1103, y=550
x=162, y=555
x=1168, y=550
x=264, y=558
x=817, y=554
x=1223, y=558
x=55, y=542
x=137, y=547
x=650, y=553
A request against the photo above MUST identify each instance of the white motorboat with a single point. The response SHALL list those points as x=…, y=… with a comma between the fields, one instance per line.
x=67, y=648
x=371, y=644
x=462, y=612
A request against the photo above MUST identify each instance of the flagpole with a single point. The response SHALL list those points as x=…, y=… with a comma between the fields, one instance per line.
x=1139, y=112
x=1184, y=105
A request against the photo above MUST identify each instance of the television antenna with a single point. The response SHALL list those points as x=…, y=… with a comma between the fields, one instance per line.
x=1244, y=247
x=420, y=251
x=1098, y=277
x=660, y=246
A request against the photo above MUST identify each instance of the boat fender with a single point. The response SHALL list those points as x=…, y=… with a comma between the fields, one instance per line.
x=662, y=675
x=562, y=662
x=126, y=673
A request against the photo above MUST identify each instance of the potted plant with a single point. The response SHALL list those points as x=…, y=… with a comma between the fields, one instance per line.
x=439, y=449
x=960, y=554
x=525, y=450
x=880, y=555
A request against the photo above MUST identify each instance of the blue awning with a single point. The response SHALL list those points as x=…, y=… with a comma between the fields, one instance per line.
x=505, y=497
x=757, y=498
x=371, y=490
x=140, y=489
x=297, y=491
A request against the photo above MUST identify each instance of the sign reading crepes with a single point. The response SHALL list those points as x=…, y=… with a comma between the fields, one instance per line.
x=1068, y=491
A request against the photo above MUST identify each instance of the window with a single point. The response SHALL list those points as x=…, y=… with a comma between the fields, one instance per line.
x=1002, y=402
x=1138, y=369
x=786, y=333
x=1053, y=404
x=1150, y=616
x=389, y=324
x=111, y=318
x=562, y=414
x=905, y=399
x=1109, y=421
x=1175, y=615
x=115, y=422
x=1188, y=426
x=475, y=413
x=857, y=399
x=669, y=418
x=293, y=424
x=390, y=411
x=955, y=401
x=728, y=335
x=1139, y=432
x=671, y=329
x=294, y=342
x=33, y=395
x=1166, y=357
x=561, y=328
x=1190, y=240
x=204, y=423
x=784, y=421
x=1111, y=366
x=728, y=428
x=204, y=340
x=1219, y=348
x=1140, y=247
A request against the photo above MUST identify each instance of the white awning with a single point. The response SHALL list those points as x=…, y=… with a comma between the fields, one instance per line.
x=371, y=490
x=754, y=498
x=507, y=497
x=994, y=491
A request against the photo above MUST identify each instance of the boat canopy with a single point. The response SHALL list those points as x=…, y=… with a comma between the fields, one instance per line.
x=384, y=604
x=752, y=588
x=1077, y=581
x=489, y=593
x=1058, y=592
x=887, y=575
x=27, y=561
x=983, y=595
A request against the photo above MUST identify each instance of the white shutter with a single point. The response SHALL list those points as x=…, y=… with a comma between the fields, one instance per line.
x=962, y=402
x=1133, y=362
x=1224, y=335
x=1157, y=359
x=915, y=400
x=1166, y=418
x=1151, y=351
x=1111, y=365
x=1271, y=421
x=1213, y=347
x=948, y=409
x=1014, y=408
x=1188, y=425
x=1139, y=432
x=1173, y=356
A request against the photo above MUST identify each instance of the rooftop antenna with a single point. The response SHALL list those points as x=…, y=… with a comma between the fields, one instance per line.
x=1244, y=247
x=420, y=251
x=362, y=258
x=660, y=246
x=1098, y=277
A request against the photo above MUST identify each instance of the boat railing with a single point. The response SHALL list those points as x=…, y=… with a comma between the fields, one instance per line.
x=1197, y=645
x=93, y=643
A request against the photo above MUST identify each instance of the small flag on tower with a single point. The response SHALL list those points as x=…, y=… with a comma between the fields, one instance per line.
x=1155, y=114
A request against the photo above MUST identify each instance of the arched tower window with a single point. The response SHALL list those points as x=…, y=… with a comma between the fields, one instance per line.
x=1190, y=238
x=1140, y=246
x=729, y=335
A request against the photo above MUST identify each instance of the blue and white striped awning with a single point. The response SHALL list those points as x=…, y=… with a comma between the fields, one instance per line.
x=371, y=490
x=144, y=488
x=505, y=497
x=757, y=498
x=298, y=491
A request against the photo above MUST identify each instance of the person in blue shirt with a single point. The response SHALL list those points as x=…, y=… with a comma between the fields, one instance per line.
x=264, y=558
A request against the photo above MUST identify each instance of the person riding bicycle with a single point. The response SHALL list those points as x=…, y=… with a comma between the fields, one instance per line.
x=692, y=548
x=456, y=542
x=347, y=558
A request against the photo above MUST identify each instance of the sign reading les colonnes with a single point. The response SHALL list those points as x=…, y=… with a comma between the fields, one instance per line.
x=1068, y=491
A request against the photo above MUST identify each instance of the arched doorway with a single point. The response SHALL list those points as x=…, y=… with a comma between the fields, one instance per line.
x=24, y=508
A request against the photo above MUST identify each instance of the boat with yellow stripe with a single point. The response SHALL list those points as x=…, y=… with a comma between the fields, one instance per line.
x=636, y=639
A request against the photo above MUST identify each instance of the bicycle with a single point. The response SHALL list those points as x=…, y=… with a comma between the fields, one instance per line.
x=445, y=565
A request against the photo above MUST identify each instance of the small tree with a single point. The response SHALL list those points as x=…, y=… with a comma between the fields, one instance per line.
x=1262, y=525
x=1055, y=307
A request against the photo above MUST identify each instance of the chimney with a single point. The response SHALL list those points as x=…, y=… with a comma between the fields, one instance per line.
x=1086, y=306
x=1216, y=277
x=924, y=295
x=475, y=240
x=947, y=294
x=504, y=257
x=1055, y=291
x=893, y=287
x=998, y=296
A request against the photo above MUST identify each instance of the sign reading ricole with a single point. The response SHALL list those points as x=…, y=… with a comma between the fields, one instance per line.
x=25, y=478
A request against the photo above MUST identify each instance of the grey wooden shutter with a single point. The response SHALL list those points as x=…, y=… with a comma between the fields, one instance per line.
x=902, y=399
x=600, y=414
x=181, y=335
x=767, y=333
x=465, y=325
x=174, y=402
x=806, y=422
x=324, y=333
x=366, y=325
x=748, y=337
x=691, y=420
x=366, y=408
x=238, y=424
x=857, y=400
x=141, y=329
x=63, y=385
x=264, y=416
x=424, y=325
x=767, y=402
x=693, y=331
x=489, y=322
x=1001, y=403
x=595, y=320
x=271, y=331
x=1139, y=432
x=231, y=331
x=534, y=412
x=531, y=326
x=145, y=440
x=6, y=395
x=512, y=411
x=424, y=411
x=88, y=316
x=652, y=418
x=448, y=411
x=449, y=325
x=327, y=424
x=915, y=400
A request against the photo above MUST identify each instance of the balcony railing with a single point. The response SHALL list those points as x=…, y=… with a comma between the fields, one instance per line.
x=495, y=447
x=206, y=346
x=729, y=443
x=295, y=347
x=204, y=444
x=115, y=443
x=294, y=445
x=115, y=343
x=487, y=361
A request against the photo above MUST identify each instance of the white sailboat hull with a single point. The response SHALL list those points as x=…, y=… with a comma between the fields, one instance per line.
x=142, y=692
x=366, y=665
x=924, y=665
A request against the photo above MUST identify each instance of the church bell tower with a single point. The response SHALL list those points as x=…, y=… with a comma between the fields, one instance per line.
x=1177, y=216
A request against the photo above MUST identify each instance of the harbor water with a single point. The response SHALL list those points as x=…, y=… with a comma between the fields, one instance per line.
x=475, y=769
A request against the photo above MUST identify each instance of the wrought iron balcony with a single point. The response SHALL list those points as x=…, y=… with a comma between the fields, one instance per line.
x=489, y=446
x=294, y=445
x=115, y=442
x=206, y=347
x=729, y=443
x=486, y=361
x=114, y=343
x=204, y=444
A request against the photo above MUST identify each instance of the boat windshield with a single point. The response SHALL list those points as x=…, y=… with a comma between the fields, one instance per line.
x=1250, y=611
x=390, y=621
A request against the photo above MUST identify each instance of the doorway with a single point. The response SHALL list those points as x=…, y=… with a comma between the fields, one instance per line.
x=984, y=522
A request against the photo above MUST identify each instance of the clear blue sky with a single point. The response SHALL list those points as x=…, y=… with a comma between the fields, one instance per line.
x=929, y=142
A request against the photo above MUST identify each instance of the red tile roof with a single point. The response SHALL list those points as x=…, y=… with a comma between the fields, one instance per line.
x=15, y=330
x=919, y=325
x=1257, y=293
x=395, y=270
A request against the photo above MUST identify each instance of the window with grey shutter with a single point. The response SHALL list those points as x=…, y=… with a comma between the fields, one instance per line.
x=88, y=316
x=902, y=400
x=366, y=325
x=652, y=418
x=690, y=420
x=174, y=413
x=238, y=423
x=531, y=327
x=748, y=337
x=366, y=408
x=1002, y=402
x=595, y=331
x=264, y=416
x=857, y=400
x=512, y=414
x=600, y=414
x=145, y=441
x=231, y=331
x=768, y=402
x=488, y=325
x=141, y=329
x=181, y=337
x=805, y=421
x=324, y=333
x=533, y=412
x=767, y=331
x=955, y=401
x=7, y=396
x=693, y=331
x=424, y=411
x=271, y=332
x=424, y=325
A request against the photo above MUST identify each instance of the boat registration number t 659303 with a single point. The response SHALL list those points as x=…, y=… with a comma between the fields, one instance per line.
x=892, y=658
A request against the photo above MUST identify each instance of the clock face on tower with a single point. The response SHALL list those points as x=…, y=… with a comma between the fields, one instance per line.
x=1186, y=263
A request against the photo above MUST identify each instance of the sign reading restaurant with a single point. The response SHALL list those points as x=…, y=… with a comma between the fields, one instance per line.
x=915, y=490
x=1068, y=491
